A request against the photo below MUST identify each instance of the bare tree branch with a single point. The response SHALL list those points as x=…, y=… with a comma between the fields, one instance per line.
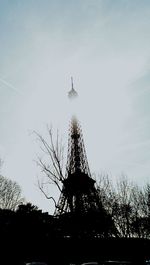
x=50, y=162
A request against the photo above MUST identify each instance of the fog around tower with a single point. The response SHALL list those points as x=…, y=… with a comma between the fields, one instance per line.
x=105, y=46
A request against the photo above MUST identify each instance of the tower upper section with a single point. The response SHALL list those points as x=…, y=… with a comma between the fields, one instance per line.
x=72, y=94
x=77, y=160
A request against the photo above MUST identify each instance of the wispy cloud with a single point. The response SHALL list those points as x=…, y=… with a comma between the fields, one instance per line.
x=10, y=86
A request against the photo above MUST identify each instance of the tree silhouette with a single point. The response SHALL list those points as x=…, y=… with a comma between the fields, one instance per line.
x=10, y=194
x=51, y=163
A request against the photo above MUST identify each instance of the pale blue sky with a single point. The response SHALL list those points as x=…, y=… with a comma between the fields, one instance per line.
x=105, y=45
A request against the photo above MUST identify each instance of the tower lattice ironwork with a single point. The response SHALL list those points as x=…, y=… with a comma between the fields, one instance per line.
x=79, y=194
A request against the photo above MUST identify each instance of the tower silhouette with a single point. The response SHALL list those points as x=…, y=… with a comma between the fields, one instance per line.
x=79, y=194
x=79, y=206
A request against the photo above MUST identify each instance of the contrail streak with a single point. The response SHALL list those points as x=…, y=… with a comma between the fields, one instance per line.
x=10, y=86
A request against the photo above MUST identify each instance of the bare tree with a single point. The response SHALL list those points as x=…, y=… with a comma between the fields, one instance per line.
x=51, y=163
x=10, y=194
x=106, y=191
x=127, y=204
x=142, y=227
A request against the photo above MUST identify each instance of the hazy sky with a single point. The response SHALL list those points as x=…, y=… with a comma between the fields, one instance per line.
x=105, y=45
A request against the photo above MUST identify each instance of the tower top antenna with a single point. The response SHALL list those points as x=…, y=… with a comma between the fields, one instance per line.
x=72, y=83
x=72, y=94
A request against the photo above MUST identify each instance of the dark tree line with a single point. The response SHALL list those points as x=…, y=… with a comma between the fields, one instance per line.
x=29, y=234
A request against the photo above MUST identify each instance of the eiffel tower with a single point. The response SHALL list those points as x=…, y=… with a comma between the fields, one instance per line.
x=79, y=194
